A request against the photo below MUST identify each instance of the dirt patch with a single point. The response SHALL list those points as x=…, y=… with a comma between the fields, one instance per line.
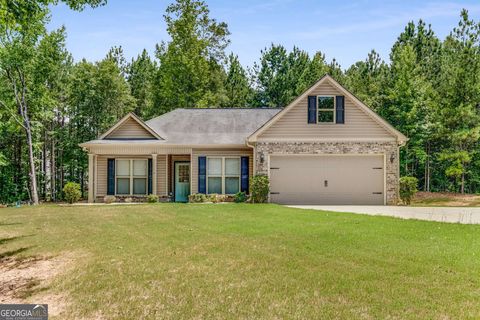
x=26, y=280
x=446, y=199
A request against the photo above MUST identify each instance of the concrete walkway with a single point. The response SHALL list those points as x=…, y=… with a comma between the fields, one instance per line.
x=442, y=214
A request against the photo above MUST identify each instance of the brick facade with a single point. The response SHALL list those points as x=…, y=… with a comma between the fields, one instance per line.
x=386, y=148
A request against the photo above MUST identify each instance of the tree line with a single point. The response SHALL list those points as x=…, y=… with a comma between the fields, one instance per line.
x=49, y=103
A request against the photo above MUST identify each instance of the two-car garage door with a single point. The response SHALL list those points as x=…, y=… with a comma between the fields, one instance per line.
x=327, y=179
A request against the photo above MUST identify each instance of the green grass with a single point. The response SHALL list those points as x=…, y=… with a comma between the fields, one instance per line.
x=230, y=261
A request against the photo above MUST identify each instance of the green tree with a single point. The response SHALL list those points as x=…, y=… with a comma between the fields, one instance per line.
x=51, y=74
x=426, y=45
x=271, y=78
x=335, y=70
x=459, y=90
x=14, y=13
x=141, y=77
x=19, y=55
x=409, y=106
x=366, y=80
x=280, y=76
x=237, y=84
x=190, y=74
x=116, y=54
x=98, y=97
x=313, y=72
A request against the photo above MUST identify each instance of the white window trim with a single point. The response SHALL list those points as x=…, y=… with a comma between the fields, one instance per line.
x=327, y=110
x=131, y=176
x=223, y=175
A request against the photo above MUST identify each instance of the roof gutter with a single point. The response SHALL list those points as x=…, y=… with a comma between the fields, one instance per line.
x=167, y=145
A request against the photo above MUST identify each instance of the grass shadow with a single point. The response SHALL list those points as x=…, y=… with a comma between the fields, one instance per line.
x=6, y=240
x=11, y=253
x=9, y=223
x=31, y=287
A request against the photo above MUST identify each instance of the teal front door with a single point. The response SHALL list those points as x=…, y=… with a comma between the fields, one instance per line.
x=182, y=181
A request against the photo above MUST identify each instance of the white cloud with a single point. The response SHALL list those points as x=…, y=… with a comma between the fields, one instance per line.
x=387, y=17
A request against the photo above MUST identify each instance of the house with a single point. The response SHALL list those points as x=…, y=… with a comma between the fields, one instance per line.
x=326, y=147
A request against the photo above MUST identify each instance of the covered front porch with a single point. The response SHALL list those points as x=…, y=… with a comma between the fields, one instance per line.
x=172, y=176
x=135, y=176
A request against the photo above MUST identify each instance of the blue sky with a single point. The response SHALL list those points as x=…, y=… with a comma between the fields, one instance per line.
x=343, y=30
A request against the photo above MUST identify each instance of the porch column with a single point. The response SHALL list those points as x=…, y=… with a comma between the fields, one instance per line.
x=154, y=173
x=91, y=177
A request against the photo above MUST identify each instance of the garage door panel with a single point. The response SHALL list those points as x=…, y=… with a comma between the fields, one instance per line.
x=332, y=179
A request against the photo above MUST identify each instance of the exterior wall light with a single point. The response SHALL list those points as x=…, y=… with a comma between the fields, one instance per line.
x=392, y=157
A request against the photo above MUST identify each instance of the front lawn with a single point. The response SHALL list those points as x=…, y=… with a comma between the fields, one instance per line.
x=177, y=261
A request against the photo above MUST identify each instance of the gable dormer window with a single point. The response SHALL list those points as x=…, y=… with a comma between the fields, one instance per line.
x=325, y=109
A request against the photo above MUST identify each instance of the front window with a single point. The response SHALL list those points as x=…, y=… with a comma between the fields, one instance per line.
x=131, y=176
x=140, y=176
x=326, y=109
x=223, y=175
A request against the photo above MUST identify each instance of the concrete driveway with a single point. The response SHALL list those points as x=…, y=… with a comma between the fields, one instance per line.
x=441, y=214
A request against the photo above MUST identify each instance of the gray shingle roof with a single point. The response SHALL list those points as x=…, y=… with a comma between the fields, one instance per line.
x=210, y=126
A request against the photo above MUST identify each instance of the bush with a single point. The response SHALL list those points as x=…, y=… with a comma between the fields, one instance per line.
x=213, y=197
x=408, y=188
x=71, y=192
x=240, y=197
x=259, y=188
x=109, y=199
x=128, y=200
x=197, y=198
x=223, y=198
x=152, y=198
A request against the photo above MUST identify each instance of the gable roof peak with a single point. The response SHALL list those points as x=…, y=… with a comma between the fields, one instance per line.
x=401, y=139
x=133, y=116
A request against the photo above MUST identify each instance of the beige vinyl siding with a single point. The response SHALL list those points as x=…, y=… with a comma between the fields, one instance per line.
x=162, y=175
x=217, y=152
x=130, y=129
x=101, y=180
x=102, y=163
x=293, y=125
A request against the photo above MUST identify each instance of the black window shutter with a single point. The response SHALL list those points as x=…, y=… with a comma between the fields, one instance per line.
x=245, y=175
x=340, y=109
x=149, y=176
x=111, y=177
x=202, y=174
x=312, y=109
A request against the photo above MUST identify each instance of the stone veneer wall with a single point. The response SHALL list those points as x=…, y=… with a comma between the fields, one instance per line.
x=387, y=148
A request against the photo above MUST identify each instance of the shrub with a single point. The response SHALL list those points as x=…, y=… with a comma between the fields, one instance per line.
x=223, y=197
x=71, y=192
x=197, y=198
x=240, y=197
x=259, y=188
x=408, y=188
x=213, y=198
x=128, y=199
x=152, y=198
x=109, y=199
